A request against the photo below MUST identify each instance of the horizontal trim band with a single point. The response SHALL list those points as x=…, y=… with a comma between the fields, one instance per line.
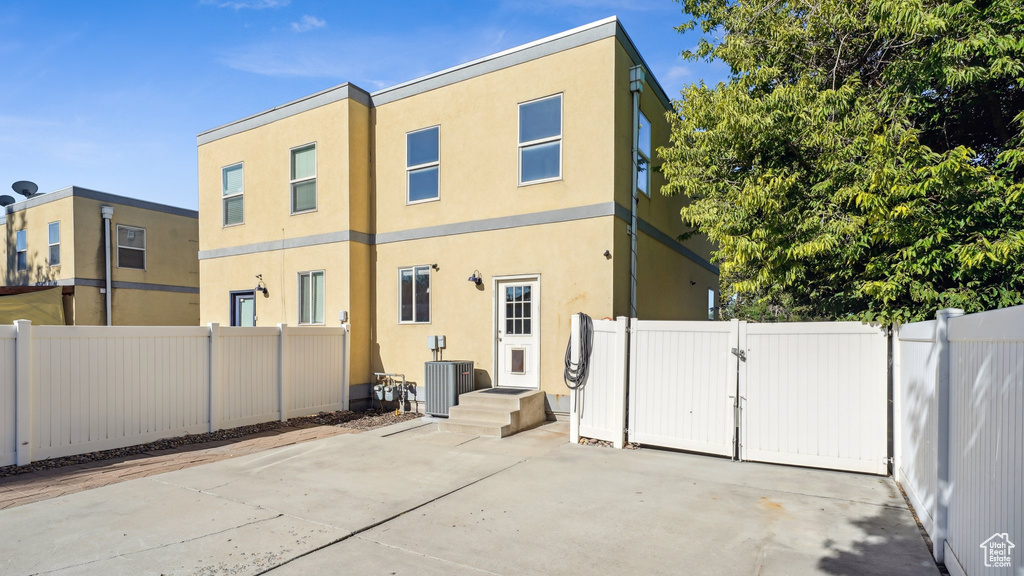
x=454, y=229
x=94, y=283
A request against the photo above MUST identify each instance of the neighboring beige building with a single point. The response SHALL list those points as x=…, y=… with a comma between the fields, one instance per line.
x=515, y=169
x=58, y=239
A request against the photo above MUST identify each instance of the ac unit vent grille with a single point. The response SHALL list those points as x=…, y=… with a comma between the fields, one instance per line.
x=444, y=381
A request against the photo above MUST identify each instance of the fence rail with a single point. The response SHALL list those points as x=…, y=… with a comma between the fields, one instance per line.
x=68, y=390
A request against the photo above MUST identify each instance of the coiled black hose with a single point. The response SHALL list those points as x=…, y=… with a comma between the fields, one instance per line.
x=575, y=374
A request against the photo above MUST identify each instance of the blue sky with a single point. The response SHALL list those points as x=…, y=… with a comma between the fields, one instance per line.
x=110, y=95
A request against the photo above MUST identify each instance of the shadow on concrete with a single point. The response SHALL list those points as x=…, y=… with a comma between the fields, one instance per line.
x=883, y=549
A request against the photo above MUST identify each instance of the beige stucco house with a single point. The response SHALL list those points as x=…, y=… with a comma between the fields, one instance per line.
x=487, y=202
x=59, y=239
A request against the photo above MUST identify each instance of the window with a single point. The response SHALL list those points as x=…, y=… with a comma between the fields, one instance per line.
x=311, y=297
x=131, y=247
x=414, y=294
x=540, y=140
x=643, y=156
x=54, y=232
x=232, y=189
x=422, y=165
x=22, y=250
x=304, y=179
x=711, y=304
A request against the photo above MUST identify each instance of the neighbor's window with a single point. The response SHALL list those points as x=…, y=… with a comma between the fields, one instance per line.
x=422, y=164
x=311, y=297
x=54, y=232
x=22, y=250
x=414, y=294
x=131, y=247
x=540, y=140
x=643, y=156
x=711, y=304
x=304, y=179
x=232, y=189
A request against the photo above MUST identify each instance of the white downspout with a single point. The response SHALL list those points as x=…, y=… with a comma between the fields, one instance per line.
x=636, y=86
x=107, y=212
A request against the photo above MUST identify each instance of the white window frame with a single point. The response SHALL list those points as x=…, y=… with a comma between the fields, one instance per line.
x=50, y=245
x=639, y=151
x=298, y=283
x=144, y=249
x=430, y=293
x=18, y=253
x=548, y=140
x=224, y=199
x=410, y=169
x=292, y=182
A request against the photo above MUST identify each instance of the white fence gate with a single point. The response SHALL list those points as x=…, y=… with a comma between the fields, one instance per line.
x=811, y=394
x=68, y=390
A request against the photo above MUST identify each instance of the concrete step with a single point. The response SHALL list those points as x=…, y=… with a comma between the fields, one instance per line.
x=476, y=428
x=499, y=417
x=480, y=399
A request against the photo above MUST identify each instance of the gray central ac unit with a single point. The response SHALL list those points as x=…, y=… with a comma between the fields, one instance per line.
x=444, y=381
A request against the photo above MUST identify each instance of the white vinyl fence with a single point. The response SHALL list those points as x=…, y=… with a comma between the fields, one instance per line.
x=960, y=434
x=811, y=394
x=68, y=390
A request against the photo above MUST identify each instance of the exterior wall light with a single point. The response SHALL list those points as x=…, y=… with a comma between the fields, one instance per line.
x=261, y=286
x=476, y=278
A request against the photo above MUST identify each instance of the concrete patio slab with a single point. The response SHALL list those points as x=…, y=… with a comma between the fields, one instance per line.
x=411, y=500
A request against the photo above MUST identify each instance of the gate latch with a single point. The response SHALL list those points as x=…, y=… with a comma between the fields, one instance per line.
x=742, y=354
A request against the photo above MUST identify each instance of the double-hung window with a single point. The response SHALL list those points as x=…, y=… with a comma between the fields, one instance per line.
x=643, y=156
x=422, y=165
x=303, y=179
x=131, y=247
x=414, y=295
x=540, y=140
x=311, y=297
x=54, y=240
x=232, y=191
x=21, y=248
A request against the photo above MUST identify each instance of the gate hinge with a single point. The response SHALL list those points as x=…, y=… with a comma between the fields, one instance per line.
x=741, y=354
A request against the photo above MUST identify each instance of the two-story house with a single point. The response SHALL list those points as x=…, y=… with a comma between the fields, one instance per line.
x=149, y=260
x=487, y=202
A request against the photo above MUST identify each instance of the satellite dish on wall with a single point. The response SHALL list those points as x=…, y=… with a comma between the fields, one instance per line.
x=6, y=200
x=25, y=188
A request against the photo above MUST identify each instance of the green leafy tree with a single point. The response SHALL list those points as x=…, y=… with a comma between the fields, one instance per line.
x=864, y=159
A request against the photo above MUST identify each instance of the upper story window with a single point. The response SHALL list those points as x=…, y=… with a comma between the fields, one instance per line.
x=21, y=247
x=303, y=179
x=540, y=140
x=54, y=239
x=643, y=156
x=232, y=190
x=423, y=165
x=131, y=247
x=414, y=295
x=311, y=297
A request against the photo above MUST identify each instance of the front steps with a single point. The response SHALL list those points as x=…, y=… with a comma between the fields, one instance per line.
x=486, y=413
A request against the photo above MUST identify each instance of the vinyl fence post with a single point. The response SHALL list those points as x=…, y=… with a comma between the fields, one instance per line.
x=215, y=403
x=574, y=356
x=942, y=383
x=283, y=370
x=621, y=379
x=346, y=374
x=23, y=392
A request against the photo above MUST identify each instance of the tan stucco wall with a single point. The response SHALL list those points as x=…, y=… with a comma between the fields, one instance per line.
x=35, y=221
x=574, y=277
x=136, y=307
x=266, y=156
x=479, y=134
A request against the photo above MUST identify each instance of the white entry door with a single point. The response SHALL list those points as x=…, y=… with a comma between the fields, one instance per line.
x=518, y=337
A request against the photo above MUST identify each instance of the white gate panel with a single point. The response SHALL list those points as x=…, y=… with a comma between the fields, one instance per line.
x=814, y=394
x=600, y=403
x=249, y=375
x=682, y=379
x=315, y=369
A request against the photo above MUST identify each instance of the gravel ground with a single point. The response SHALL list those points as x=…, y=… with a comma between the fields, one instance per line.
x=606, y=444
x=344, y=419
